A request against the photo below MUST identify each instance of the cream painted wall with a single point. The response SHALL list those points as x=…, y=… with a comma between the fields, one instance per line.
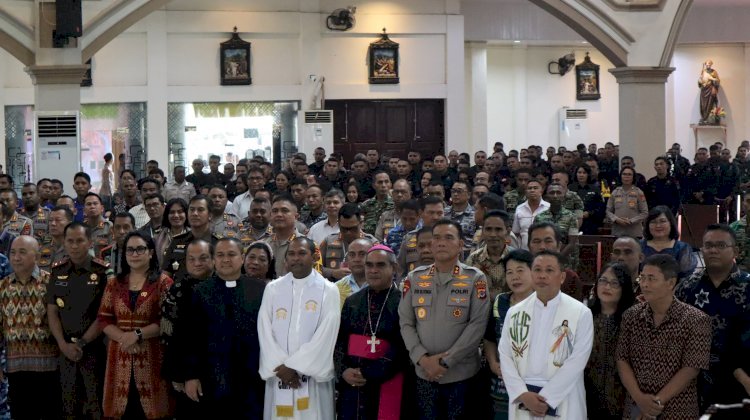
x=173, y=56
x=730, y=60
x=523, y=99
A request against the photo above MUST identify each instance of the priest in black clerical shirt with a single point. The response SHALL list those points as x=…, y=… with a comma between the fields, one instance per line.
x=221, y=368
x=370, y=356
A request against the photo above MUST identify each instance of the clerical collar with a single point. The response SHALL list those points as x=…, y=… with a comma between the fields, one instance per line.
x=230, y=284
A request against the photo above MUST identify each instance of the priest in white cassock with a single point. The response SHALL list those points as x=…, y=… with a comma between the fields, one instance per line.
x=297, y=326
x=544, y=347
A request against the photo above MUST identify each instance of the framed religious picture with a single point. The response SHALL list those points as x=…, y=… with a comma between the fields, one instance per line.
x=383, y=61
x=587, y=80
x=235, y=61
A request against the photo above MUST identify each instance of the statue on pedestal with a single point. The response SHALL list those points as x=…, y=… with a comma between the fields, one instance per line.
x=709, y=84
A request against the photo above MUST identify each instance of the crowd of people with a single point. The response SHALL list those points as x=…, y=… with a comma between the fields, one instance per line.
x=431, y=287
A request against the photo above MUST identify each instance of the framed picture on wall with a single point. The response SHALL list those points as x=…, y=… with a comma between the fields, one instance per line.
x=383, y=61
x=587, y=80
x=234, y=61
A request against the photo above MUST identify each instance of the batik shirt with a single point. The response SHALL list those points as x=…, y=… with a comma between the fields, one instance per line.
x=726, y=305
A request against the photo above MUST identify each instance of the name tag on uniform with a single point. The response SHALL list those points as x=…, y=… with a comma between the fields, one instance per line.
x=61, y=283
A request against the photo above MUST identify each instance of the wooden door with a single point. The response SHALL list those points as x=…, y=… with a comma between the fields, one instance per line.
x=393, y=127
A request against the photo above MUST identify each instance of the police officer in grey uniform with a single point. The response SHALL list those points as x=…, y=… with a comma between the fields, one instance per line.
x=14, y=223
x=73, y=296
x=101, y=229
x=223, y=224
x=333, y=247
x=33, y=210
x=443, y=315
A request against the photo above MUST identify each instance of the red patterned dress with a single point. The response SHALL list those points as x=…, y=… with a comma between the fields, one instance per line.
x=146, y=365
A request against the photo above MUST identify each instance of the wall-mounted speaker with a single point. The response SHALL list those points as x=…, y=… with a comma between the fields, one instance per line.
x=69, y=18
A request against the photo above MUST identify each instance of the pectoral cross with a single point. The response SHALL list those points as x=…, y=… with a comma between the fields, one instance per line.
x=373, y=342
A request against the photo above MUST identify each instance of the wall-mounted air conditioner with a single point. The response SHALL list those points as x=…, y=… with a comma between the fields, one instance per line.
x=574, y=127
x=57, y=151
x=316, y=130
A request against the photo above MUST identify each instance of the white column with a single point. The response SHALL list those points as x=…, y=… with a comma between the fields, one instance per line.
x=157, y=142
x=478, y=53
x=520, y=114
x=642, y=114
x=746, y=133
x=455, y=115
x=4, y=147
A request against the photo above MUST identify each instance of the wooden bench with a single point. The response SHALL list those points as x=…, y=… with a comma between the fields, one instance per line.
x=695, y=218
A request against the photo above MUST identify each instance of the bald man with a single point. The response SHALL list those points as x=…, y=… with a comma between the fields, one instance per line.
x=31, y=353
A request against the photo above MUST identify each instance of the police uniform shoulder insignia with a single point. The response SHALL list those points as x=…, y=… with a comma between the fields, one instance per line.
x=101, y=262
x=61, y=262
x=407, y=286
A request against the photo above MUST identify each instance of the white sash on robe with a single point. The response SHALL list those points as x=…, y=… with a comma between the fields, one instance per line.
x=283, y=307
x=563, y=330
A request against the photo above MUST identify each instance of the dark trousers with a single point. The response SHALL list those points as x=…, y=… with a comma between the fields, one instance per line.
x=81, y=385
x=34, y=395
x=442, y=401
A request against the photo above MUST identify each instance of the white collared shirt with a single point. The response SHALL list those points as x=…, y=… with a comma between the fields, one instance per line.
x=524, y=218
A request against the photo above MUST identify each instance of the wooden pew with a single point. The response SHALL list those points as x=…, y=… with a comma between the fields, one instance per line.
x=695, y=218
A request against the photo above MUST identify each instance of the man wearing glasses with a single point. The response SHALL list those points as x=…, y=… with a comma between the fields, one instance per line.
x=722, y=291
x=462, y=213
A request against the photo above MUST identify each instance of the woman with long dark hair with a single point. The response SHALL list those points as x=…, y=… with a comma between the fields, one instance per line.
x=174, y=222
x=593, y=204
x=605, y=394
x=130, y=313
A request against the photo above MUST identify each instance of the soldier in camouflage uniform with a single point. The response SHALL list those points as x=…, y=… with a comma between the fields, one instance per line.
x=313, y=211
x=333, y=248
x=464, y=217
x=571, y=200
x=566, y=221
x=101, y=229
x=15, y=223
x=373, y=208
x=392, y=218
x=517, y=196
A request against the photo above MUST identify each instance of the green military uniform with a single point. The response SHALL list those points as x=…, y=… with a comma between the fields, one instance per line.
x=226, y=226
x=512, y=200
x=101, y=235
x=77, y=293
x=573, y=202
x=336, y=251
x=247, y=235
x=495, y=271
x=372, y=209
x=19, y=225
x=445, y=312
x=40, y=222
x=740, y=229
x=388, y=220
x=408, y=254
x=567, y=223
